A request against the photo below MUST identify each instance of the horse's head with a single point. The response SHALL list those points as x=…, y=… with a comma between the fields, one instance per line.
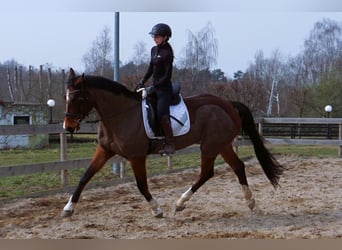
x=77, y=104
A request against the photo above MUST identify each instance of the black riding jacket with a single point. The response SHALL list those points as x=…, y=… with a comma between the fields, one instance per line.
x=160, y=66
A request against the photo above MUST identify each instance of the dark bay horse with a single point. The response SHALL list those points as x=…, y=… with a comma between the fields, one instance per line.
x=215, y=123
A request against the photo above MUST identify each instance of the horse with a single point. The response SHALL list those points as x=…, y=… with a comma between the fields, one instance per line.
x=215, y=122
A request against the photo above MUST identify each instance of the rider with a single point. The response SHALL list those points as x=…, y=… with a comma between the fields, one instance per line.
x=161, y=69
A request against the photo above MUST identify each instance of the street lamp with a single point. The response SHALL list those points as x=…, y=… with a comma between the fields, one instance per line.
x=51, y=103
x=328, y=109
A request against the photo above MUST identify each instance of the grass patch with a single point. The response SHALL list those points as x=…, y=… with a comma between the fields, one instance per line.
x=50, y=153
x=16, y=186
x=302, y=150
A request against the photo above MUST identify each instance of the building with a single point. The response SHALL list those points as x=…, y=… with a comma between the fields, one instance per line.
x=23, y=114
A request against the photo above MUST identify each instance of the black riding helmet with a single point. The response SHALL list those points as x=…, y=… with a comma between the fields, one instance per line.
x=161, y=29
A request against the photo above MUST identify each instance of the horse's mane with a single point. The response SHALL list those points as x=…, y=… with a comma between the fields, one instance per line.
x=109, y=85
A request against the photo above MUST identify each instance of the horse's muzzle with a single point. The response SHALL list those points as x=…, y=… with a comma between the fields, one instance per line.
x=70, y=130
x=71, y=127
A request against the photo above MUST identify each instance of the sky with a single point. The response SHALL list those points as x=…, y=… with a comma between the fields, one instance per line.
x=61, y=36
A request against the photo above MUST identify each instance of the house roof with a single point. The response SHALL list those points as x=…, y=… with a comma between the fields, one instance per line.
x=7, y=103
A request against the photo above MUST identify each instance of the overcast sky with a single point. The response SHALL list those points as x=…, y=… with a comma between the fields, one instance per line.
x=34, y=37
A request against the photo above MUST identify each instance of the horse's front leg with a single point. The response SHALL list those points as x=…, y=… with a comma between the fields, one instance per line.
x=100, y=158
x=139, y=169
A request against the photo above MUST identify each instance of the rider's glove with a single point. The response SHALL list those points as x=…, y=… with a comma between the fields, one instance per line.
x=141, y=84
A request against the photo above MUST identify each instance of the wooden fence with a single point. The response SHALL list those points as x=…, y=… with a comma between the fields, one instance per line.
x=63, y=165
x=298, y=122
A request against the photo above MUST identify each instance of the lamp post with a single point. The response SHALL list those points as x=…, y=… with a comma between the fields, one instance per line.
x=51, y=103
x=328, y=109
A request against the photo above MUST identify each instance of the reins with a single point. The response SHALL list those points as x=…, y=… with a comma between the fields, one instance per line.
x=118, y=114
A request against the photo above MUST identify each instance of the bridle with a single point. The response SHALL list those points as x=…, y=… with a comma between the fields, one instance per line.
x=79, y=94
x=81, y=97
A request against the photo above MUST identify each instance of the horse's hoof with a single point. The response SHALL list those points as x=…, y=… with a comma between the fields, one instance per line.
x=180, y=208
x=251, y=204
x=67, y=213
x=160, y=215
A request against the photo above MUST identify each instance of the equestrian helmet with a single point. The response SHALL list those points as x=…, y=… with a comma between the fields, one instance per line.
x=161, y=29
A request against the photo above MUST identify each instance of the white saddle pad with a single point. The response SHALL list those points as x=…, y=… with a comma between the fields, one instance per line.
x=179, y=111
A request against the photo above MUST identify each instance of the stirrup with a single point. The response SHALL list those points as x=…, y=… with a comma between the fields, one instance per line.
x=168, y=149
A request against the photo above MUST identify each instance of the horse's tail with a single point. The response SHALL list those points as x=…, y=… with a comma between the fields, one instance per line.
x=269, y=164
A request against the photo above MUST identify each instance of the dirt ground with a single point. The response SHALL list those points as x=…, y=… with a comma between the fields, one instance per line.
x=307, y=205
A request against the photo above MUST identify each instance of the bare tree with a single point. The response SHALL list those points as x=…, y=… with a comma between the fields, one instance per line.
x=299, y=91
x=140, y=55
x=98, y=60
x=314, y=66
x=244, y=89
x=322, y=49
x=200, y=53
x=271, y=72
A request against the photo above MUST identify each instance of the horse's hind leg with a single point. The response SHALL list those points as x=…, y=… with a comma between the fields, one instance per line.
x=207, y=171
x=100, y=158
x=238, y=167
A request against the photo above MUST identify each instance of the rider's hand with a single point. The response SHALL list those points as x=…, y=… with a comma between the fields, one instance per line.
x=141, y=84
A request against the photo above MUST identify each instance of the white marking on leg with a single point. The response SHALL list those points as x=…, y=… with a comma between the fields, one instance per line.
x=68, y=208
x=185, y=197
x=248, y=197
x=155, y=208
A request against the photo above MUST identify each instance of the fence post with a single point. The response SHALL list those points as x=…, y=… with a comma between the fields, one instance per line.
x=169, y=162
x=340, y=138
x=237, y=145
x=64, y=172
x=260, y=126
x=123, y=169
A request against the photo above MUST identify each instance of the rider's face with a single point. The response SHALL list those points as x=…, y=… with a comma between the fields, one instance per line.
x=159, y=39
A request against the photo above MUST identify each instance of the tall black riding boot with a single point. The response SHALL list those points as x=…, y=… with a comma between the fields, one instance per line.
x=169, y=147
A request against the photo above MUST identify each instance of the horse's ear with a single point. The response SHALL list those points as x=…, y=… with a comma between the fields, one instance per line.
x=71, y=73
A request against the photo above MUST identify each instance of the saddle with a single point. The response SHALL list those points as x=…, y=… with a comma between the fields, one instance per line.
x=179, y=116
